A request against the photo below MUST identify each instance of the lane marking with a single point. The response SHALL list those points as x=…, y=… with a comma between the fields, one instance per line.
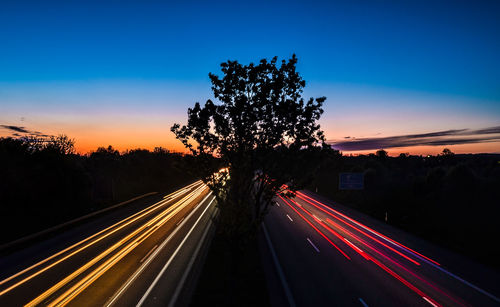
x=146, y=263
x=373, y=238
x=187, y=270
x=428, y=301
x=83, y=283
x=316, y=218
x=119, y=225
x=369, y=258
x=302, y=195
x=313, y=245
x=467, y=283
x=160, y=274
x=401, y=246
x=277, y=204
x=352, y=244
x=144, y=258
x=289, y=218
x=177, y=224
x=377, y=262
x=315, y=228
x=281, y=275
x=363, y=302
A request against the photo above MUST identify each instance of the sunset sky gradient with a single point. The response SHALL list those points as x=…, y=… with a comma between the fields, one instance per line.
x=121, y=73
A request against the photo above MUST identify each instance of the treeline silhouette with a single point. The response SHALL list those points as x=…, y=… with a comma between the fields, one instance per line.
x=450, y=199
x=44, y=182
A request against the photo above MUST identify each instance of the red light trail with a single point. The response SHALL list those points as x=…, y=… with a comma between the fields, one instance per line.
x=357, y=226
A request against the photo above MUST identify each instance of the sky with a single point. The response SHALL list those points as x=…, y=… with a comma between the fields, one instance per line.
x=406, y=76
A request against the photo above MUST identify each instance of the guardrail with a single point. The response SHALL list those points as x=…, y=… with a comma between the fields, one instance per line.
x=28, y=238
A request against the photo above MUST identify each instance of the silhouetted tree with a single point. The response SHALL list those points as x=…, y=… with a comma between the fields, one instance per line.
x=61, y=144
x=381, y=153
x=447, y=152
x=44, y=182
x=34, y=143
x=106, y=151
x=262, y=130
x=404, y=155
x=161, y=151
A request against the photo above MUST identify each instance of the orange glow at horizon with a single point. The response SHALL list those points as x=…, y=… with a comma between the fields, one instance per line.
x=493, y=147
x=128, y=141
x=133, y=139
x=122, y=131
x=135, y=114
x=124, y=137
x=146, y=130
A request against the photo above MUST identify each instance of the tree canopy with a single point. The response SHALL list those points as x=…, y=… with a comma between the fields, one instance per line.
x=262, y=129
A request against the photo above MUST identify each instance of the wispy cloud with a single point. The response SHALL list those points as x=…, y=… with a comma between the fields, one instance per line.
x=438, y=138
x=17, y=130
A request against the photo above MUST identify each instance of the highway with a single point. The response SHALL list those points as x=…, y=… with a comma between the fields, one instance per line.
x=323, y=256
x=142, y=259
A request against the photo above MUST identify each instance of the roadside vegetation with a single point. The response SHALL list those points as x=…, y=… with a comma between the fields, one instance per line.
x=44, y=182
x=452, y=200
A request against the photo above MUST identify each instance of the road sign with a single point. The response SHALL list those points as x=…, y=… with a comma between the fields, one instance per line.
x=351, y=181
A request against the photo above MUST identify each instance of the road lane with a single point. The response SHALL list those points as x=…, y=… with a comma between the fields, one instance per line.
x=88, y=248
x=312, y=282
x=426, y=270
x=378, y=269
x=92, y=270
x=179, y=264
x=127, y=281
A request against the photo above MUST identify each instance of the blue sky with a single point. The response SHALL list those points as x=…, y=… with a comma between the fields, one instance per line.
x=418, y=57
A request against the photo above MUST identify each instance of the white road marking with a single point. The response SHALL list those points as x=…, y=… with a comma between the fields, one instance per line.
x=153, y=255
x=289, y=218
x=464, y=281
x=288, y=293
x=160, y=274
x=277, y=204
x=148, y=253
x=317, y=218
x=313, y=245
x=428, y=301
x=363, y=302
x=493, y=297
x=359, y=249
x=117, y=226
x=180, y=285
x=182, y=219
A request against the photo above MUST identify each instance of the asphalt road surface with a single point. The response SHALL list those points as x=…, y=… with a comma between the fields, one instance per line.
x=143, y=258
x=324, y=256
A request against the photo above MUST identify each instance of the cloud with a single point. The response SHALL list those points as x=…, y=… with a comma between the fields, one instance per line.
x=438, y=138
x=490, y=130
x=15, y=128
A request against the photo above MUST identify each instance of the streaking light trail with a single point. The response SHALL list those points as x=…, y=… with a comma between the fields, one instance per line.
x=346, y=230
